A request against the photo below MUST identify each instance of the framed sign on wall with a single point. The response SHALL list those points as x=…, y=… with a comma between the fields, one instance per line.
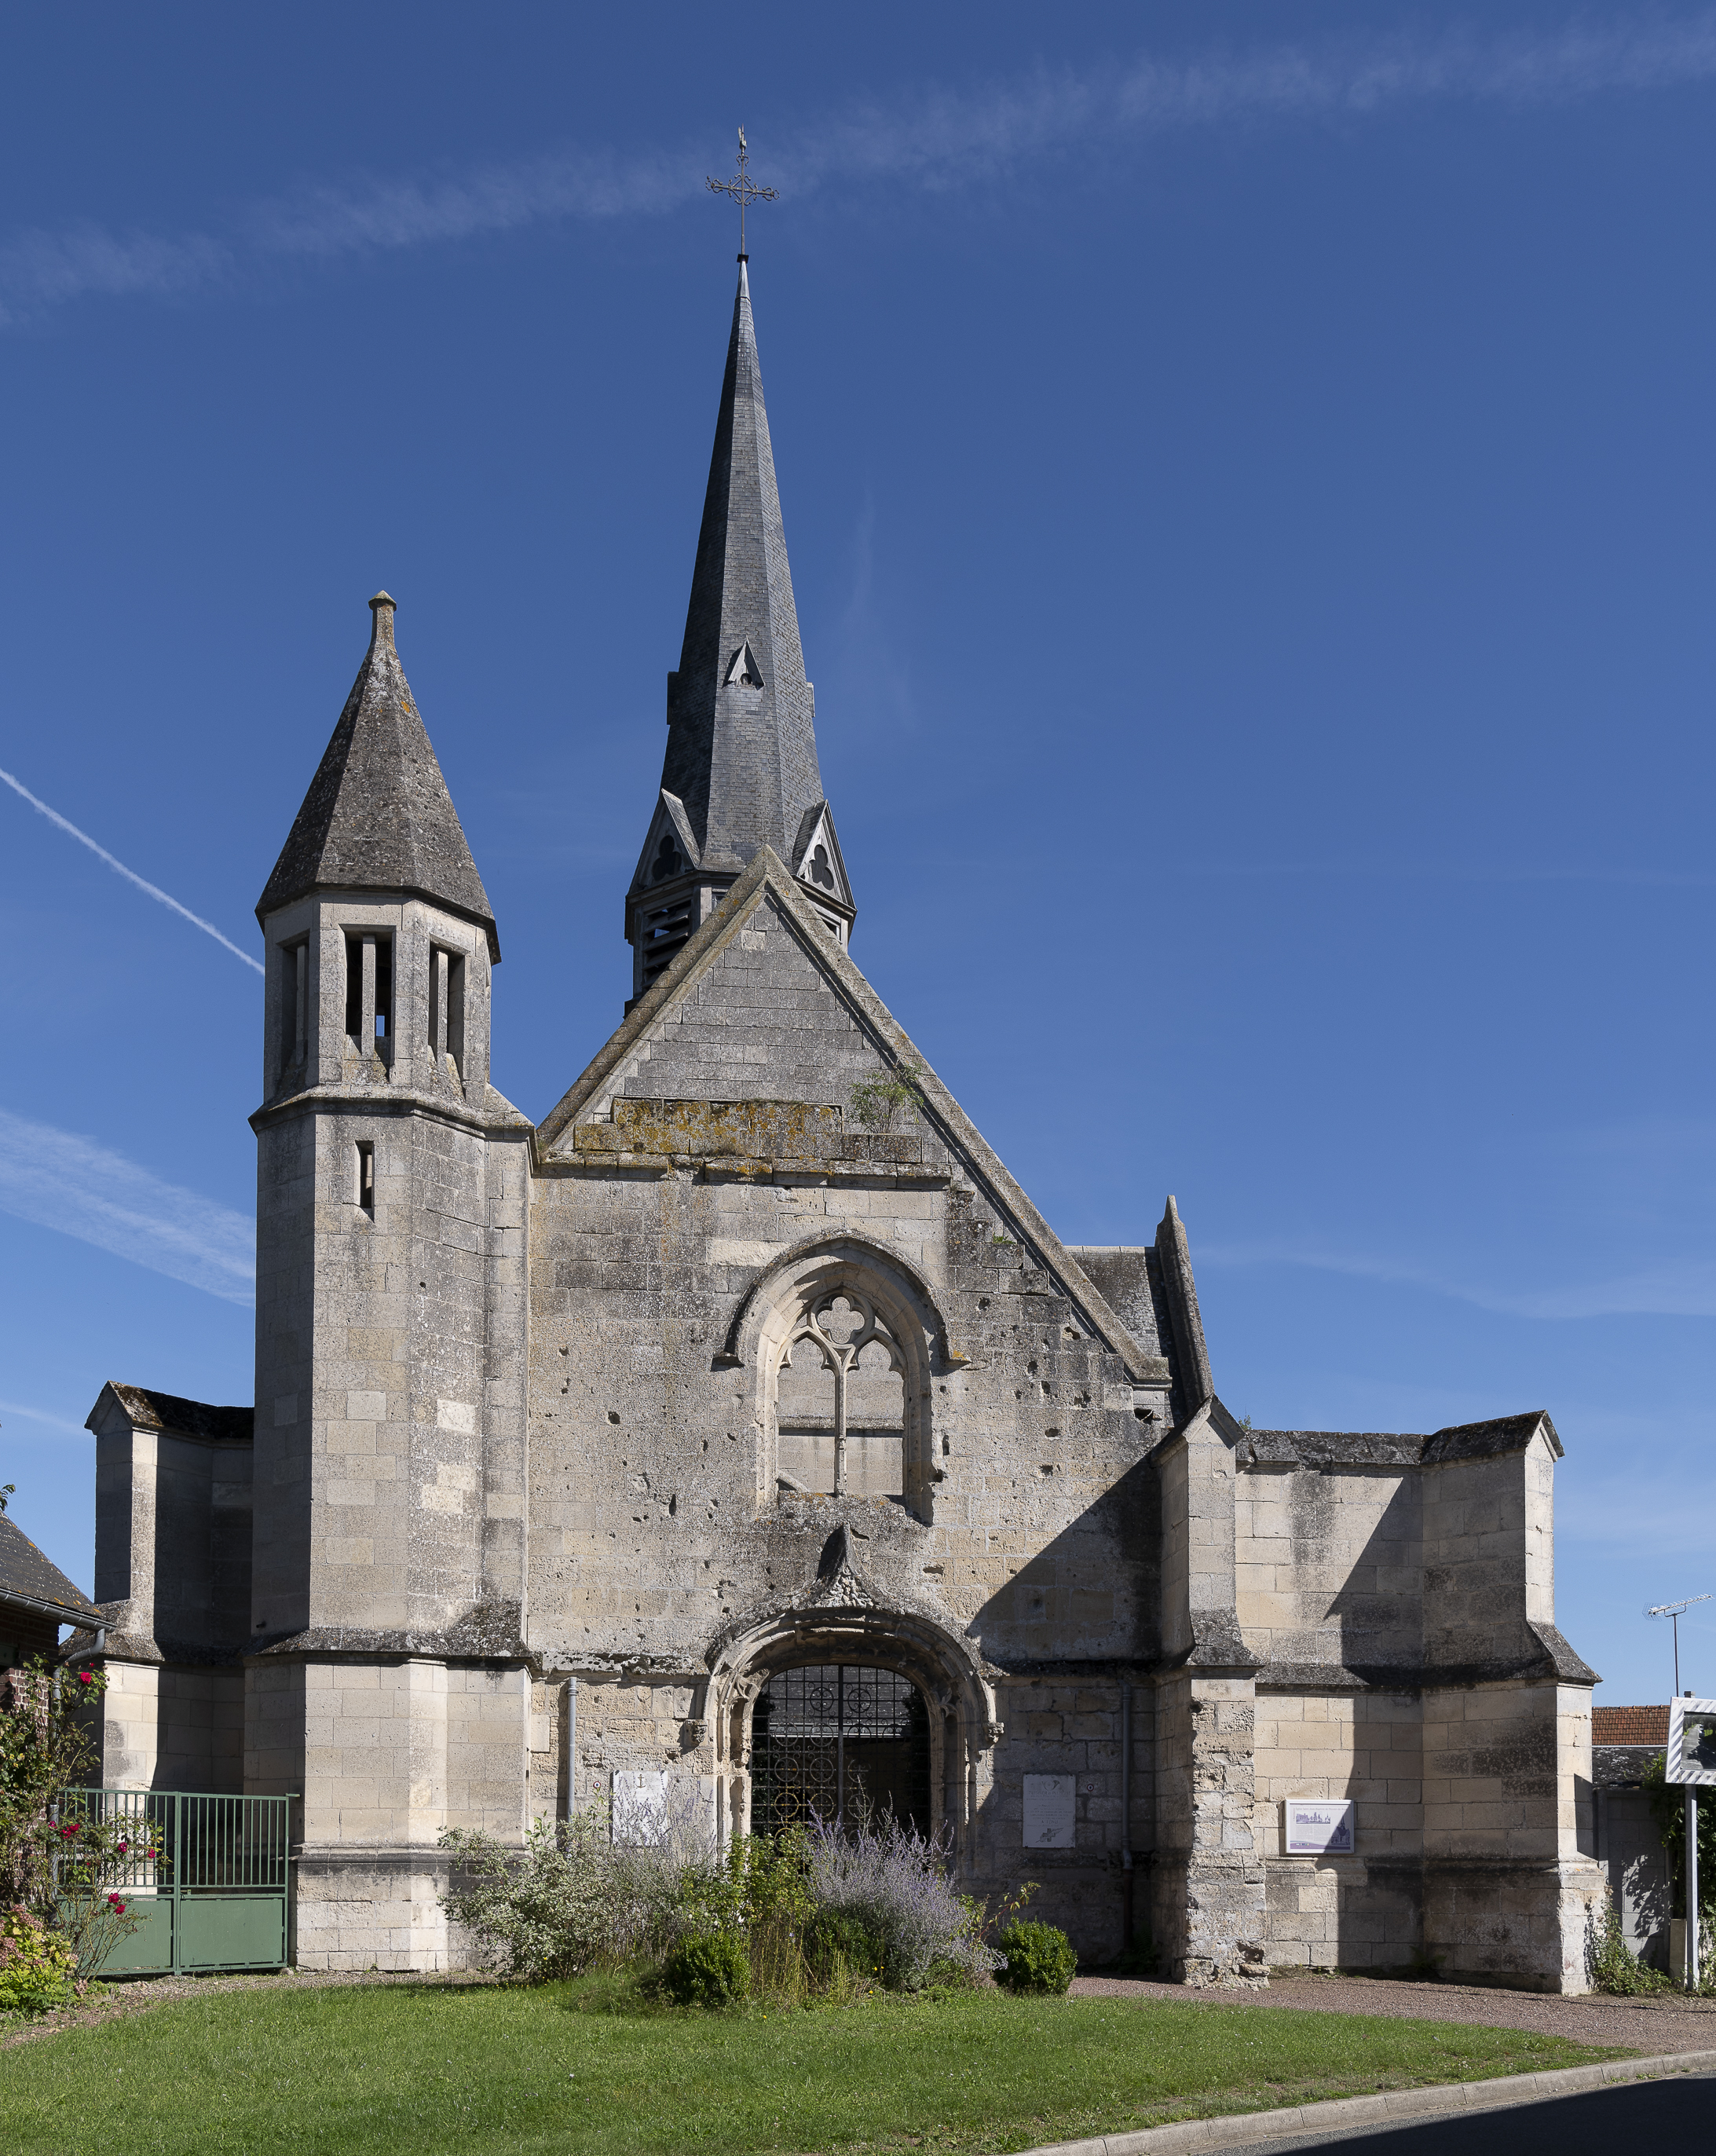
x=1319, y=1826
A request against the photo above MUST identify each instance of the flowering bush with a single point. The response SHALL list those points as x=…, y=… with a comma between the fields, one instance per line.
x=895, y=1883
x=62, y=1856
x=823, y=1910
x=37, y=1969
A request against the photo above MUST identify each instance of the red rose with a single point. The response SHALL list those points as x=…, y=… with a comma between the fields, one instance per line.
x=84, y=1677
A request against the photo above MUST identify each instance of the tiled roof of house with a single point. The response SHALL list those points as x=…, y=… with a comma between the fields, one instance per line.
x=1630, y=1725
x=26, y=1576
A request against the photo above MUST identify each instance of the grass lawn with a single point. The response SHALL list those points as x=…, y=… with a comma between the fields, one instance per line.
x=420, y=2070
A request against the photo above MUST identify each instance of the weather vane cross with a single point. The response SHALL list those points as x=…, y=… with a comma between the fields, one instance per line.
x=744, y=191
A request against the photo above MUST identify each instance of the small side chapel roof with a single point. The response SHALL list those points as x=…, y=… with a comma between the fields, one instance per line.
x=379, y=816
x=153, y=1410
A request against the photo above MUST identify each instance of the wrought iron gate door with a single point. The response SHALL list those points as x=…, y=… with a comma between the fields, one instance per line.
x=210, y=1879
x=842, y=1740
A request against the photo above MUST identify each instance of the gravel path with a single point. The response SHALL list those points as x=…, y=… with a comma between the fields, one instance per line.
x=1641, y=2024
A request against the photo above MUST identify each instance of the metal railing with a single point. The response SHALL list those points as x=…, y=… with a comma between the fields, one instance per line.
x=210, y=1874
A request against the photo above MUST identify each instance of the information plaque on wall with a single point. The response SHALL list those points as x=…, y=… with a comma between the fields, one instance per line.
x=1050, y=1811
x=1319, y=1826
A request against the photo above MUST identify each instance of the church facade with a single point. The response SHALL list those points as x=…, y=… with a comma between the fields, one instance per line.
x=740, y=1438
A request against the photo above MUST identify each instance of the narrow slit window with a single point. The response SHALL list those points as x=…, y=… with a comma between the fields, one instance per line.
x=365, y=1150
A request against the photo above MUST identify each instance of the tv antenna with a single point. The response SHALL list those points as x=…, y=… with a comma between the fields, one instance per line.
x=1672, y=1610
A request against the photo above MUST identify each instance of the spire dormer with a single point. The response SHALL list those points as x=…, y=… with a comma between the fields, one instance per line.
x=741, y=770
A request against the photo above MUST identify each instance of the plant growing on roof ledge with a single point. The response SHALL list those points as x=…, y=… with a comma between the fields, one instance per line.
x=876, y=1100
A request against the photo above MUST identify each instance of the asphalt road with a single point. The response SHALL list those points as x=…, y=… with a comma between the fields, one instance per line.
x=1675, y=2117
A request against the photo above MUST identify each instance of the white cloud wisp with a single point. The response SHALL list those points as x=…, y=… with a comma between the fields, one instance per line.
x=936, y=140
x=58, y=1180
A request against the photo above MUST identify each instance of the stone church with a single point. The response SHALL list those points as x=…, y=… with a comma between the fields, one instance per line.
x=741, y=1436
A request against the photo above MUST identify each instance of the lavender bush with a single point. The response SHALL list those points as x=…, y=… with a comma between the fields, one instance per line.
x=894, y=1882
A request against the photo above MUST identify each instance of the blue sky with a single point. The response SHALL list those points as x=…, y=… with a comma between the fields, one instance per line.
x=1248, y=470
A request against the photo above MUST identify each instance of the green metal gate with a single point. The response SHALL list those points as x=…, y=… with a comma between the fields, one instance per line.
x=213, y=1894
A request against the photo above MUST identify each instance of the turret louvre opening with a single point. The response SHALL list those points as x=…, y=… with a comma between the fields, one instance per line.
x=665, y=931
x=446, y=1010
x=369, y=990
x=294, y=964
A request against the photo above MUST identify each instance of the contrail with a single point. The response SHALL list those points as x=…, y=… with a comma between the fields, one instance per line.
x=130, y=875
x=934, y=140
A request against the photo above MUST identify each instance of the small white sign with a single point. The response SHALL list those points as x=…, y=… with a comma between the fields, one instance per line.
x=1692, y=1742
x=639, y=1806
x=1319, y=1826
x=1050, y=1811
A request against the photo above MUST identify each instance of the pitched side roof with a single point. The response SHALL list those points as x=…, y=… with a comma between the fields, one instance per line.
x=1630, y=1725
x=767, y=882
x=742, y=739
x=26, y=1576
x=1469, y=1440
x=153, y=1410
x=379, y=816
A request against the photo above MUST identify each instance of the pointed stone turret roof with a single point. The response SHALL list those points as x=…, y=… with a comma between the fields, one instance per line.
x=742, y=747
x=379, y=816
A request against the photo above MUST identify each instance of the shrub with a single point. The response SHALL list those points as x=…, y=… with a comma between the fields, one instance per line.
x=711, y=1968
x=37, y=1969
x=838, y=1944
x=554, y=1909
x=1040, y=1958
x=894, y=1883
x=1613, y=1965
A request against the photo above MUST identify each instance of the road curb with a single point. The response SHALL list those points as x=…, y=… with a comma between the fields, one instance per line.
x=1391, y=2107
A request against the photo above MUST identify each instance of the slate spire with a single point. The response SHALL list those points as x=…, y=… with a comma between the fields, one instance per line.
x=741, y=771
x=742, y=747
x=379, y=816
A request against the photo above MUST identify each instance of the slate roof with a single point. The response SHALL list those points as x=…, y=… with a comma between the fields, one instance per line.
x=153, y=1410
x=1331, y=1448
x=742, y=759
x=379, y=816
x=1630, y=1725
x=26, y=1576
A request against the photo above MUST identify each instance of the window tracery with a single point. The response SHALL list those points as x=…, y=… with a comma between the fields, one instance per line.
x=840, y=1400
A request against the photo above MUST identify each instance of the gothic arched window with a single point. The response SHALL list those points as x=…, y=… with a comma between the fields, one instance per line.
x=840, y=1401
x=843, y=1341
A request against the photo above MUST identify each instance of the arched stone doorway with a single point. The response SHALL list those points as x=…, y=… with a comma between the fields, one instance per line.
x=843, y=1741
x=831, y=1632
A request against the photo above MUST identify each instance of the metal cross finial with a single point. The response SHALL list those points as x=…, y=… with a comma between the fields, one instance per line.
x=744, y=191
